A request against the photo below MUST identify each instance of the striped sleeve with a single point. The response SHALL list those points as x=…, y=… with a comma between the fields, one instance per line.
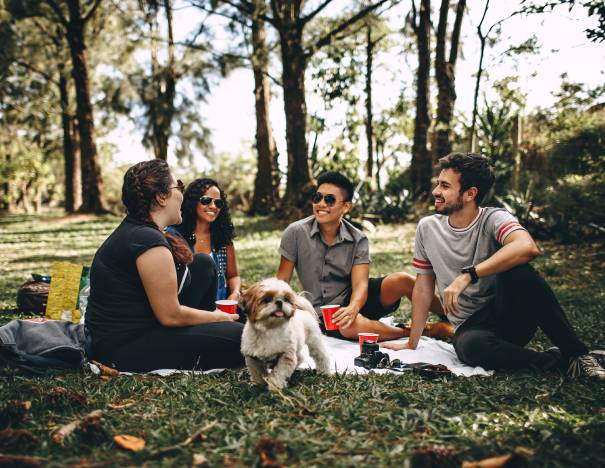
x=420, y=262
x=504, y=224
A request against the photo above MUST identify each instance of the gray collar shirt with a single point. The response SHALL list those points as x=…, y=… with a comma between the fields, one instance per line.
x=324, y=271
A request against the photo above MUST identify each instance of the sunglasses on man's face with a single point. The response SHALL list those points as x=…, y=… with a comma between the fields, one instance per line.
x=329, y=198
x=180, y=186
x=207, y=200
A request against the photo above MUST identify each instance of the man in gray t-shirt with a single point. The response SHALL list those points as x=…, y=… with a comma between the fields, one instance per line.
x=478, y=258
x=332, y=258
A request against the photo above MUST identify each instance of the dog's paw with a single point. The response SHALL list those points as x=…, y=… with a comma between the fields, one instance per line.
x=276, y=384
x=257, y=381
x=324, y=370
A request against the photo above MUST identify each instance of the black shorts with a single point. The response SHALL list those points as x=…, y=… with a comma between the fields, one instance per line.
x=372, y=309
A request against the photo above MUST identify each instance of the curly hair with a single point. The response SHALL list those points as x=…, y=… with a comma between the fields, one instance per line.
x=222, y=231
x=141, y=184
x=475, y=171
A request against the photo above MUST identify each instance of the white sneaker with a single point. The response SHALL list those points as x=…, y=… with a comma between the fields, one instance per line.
x=586, y=366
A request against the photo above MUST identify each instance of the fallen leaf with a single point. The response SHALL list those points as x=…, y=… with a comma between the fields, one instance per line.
x=492, y=462
x=199, y=459
x=17, y=440
x=272, y=452
x=58, y=397
x=21, y=461
x=128, y=442
x=92, y=428
x=121, y=406
x=14, y=412
x=105, y=370
x=58, y=436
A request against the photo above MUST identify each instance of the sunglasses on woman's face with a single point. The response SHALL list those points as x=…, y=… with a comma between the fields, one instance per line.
x=207, y=200
x=329, y=198
x=180, y=186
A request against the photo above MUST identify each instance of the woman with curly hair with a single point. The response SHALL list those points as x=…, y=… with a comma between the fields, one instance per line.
x=151, y=304
x=207, y=228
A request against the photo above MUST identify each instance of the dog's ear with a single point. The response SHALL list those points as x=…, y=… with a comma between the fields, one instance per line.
x=248, y=299
x=304, y=304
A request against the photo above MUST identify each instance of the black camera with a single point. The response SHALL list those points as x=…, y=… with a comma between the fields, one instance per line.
x=371, y=358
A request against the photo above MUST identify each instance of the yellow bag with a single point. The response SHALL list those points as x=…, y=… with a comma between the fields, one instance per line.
x=63, y=294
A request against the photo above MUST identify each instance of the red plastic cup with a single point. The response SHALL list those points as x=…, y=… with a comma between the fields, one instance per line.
x=227, y=305
x=373, y=337
x=327, y=311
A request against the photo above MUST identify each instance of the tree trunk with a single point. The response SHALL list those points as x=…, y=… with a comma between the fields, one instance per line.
x=161, y=105
x=266, y=183
x=71, y=155
x=299, y=181
x=482, y=39
x=92, y=183
x=516, y=136
x=369, y=116
x=445, y=75
x=8, y=187
x=421, y=167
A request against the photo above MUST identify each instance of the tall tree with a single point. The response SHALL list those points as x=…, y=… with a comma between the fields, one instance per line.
x=290, y=22
x=266, y=182
x=421, y=167
x=74, y=25
x=71, y=148
x=482, y=39
x=42, y=52
x=445, y=73
x=159, y=95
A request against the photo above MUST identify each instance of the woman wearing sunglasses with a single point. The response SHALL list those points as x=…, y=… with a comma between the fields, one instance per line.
x=207, y=228
x=151, y=304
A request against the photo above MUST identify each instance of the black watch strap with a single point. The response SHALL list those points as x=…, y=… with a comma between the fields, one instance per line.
x=471, y=271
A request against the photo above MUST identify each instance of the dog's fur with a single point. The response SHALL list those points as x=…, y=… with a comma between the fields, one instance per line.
x=279, y=324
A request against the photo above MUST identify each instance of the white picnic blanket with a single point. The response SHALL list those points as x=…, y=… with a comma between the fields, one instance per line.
x=343, y=352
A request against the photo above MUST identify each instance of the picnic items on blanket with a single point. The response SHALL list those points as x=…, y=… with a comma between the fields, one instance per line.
x=365, y=336
x=67, y=280
x=32, y=296
x=372, y=358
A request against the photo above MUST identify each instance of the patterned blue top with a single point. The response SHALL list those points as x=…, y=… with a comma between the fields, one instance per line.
x=220, y=259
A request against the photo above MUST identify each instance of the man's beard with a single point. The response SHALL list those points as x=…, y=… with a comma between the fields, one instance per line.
x=449, y=209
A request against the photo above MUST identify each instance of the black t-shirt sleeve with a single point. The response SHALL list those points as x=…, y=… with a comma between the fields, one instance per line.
x=144, y=238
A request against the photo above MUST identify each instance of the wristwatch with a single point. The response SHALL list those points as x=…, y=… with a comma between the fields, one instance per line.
x=471, y=271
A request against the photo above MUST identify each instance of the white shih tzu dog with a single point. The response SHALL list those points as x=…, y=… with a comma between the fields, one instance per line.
x=279, y=324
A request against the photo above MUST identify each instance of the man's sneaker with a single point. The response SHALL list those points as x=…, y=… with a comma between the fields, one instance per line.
x=586, y=366
x=599, y=355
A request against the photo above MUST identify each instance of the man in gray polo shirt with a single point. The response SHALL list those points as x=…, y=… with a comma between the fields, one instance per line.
x=332, y=257
x=478, y=257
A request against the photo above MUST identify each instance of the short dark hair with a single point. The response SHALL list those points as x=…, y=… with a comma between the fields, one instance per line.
x=475, y=171
x=338, y=179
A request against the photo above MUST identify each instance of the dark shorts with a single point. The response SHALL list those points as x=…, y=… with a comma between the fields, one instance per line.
x=372, y=309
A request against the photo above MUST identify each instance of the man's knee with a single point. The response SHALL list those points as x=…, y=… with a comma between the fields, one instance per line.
x=474, y=347
x=522, y=274
x=400, y=281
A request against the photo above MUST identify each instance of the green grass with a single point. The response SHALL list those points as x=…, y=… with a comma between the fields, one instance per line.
x=336, y=421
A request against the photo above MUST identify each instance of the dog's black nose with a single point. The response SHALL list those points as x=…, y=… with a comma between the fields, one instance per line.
x=279, y=303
